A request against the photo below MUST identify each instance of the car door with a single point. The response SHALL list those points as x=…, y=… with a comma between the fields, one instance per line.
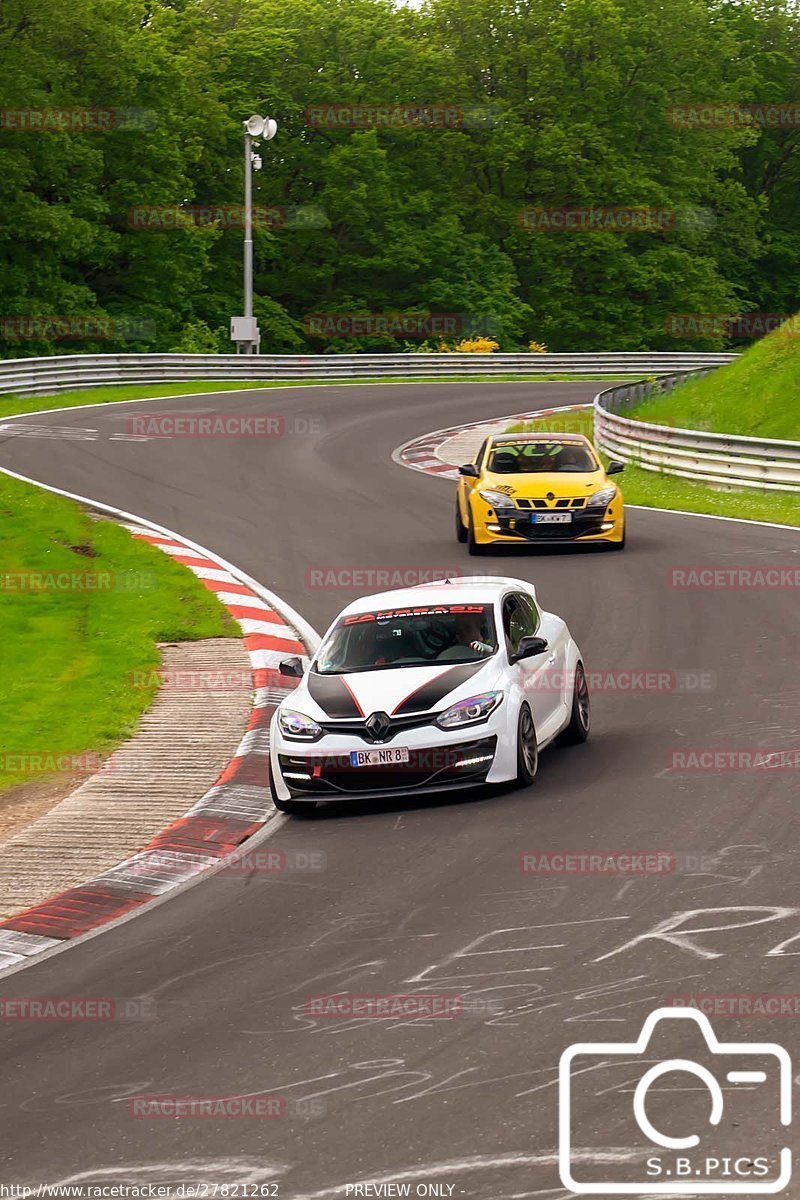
x=537, y=676
x=465, y=484
x=555, y=632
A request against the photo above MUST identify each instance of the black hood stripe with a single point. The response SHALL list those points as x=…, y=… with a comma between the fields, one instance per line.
x=333, y=695
x=436, y=689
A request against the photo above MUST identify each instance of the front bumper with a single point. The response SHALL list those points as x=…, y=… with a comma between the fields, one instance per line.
x=327, y=775
x=587, y=525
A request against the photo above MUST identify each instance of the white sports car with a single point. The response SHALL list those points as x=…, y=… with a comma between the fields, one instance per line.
x=428, y=689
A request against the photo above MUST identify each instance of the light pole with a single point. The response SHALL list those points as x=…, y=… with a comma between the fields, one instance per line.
x=244, y=330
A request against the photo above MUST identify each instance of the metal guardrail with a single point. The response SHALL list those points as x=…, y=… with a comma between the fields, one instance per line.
x=30, y=376
x=717, y=459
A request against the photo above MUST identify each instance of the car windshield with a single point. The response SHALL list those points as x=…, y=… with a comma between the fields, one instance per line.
x=524, y=458
x=408, y=637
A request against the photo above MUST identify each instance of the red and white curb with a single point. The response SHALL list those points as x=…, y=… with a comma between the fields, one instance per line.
x=230, y=813
x=420, y=454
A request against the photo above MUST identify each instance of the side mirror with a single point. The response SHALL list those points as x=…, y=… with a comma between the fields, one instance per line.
x=291, y=666
x=529, y=647
x=470, y=470
x=614, y=468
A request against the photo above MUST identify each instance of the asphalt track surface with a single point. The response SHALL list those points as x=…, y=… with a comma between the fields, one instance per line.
x=430, y=894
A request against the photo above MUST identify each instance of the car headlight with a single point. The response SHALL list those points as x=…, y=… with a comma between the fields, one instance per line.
x=470, y=711
x=496, y=499
x=298, y=727
x=604, y=496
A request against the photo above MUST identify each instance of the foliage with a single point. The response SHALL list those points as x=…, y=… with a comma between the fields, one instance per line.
x=197, y=338
x=477, y=345
x=529, y=110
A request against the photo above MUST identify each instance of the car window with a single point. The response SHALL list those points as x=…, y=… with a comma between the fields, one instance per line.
x=528, y=458
x=520, y=620
x=481, y=454
x=408, y=637
x=530, y=606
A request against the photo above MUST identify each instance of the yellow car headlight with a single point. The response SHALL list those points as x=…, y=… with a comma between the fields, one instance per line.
x=604, y=496
x=496, y=499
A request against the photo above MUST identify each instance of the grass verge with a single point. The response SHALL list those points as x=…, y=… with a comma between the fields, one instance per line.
x=758, y=395
x=653, y=490
x=72, y=641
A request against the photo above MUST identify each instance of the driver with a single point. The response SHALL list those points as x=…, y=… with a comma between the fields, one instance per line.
x=570, y=458
x=470, y=633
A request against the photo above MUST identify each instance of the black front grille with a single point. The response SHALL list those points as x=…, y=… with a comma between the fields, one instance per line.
x=588, y=521
x=397, y=724
x=331, y=774
x=544, y=505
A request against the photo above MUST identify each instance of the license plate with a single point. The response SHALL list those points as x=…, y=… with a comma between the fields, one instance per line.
x=556, y=518
x=386, y=757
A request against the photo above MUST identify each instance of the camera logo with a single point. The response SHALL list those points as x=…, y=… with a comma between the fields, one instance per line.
x=747, y=1081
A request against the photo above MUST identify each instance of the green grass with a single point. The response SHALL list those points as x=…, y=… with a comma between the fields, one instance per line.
x=653, y=490
x=68, y=655
x=13, y=405
x=758, y=395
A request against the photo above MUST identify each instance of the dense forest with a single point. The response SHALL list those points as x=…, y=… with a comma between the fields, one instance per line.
x=587, y=174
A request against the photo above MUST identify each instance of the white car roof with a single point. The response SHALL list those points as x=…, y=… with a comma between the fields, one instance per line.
x=483, y=589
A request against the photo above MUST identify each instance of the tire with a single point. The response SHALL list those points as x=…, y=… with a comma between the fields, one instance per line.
x=474, y=548
x=580, y=721
x=294, y=808
x=461, y=533
x=527, y=749
x=620, y=545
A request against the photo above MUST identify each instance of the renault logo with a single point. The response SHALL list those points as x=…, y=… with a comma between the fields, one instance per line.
x=378, y=725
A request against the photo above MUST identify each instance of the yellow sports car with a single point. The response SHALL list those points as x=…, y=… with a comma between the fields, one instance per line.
x=538, y=488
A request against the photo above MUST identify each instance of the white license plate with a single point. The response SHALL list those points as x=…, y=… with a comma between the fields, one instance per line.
x=556, y=518
x=386, y=757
